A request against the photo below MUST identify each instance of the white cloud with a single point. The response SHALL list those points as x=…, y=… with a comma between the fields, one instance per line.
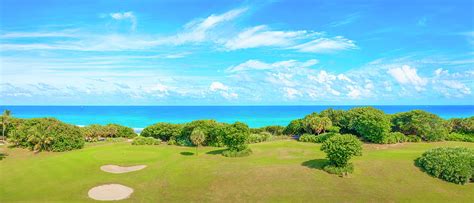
x=291, y=93
x=259, y=65
x=215, y=86
x=125, y=16
x=260, y=36
x=326, y=45
x=408, y=76
x=197, y=30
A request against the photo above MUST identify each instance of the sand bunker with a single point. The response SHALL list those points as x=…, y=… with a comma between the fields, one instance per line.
x=121, y=169
x=110, y=192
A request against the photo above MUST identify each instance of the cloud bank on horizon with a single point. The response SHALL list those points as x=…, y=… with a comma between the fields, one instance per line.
x=236, y=53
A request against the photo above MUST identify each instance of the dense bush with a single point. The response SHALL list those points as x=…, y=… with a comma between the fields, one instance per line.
x=370, y=123
x=162, y=131
x=394, y=137
x=213, y=130
x=451, y=164
x=340, y=148
x=296, y=127
x=460, y=137
x=338, y=118
x=308, y=138
x=315, y=124
x=236, y=137
x=140, y=140
x=94, y=132
x=461, y=125
x=427, y=126
x=260, y=137
x=46, y=134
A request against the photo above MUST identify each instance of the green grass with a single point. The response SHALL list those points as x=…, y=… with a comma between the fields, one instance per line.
x=282, y=170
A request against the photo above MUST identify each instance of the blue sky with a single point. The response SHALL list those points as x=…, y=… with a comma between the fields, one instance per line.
x=236, y=52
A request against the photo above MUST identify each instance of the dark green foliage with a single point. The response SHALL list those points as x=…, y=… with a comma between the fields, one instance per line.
x=275, y=129
x=453, y=164
x=46, y=134
x=140, y=140
x=394, y=137
x=94, y=132
x=260, y=137
x=427, y=126
x=296, y=127
x=340, y=148
x=212, y=129
x=236, y=136
x=315, y=124
x=460, y=137
x=233, y=153
x=308, y=138
x=461, y=125
x=338, y=118
x=369, y=123
x=162, y=131
x=341, y=171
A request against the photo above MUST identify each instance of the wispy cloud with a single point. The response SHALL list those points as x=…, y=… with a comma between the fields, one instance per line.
x=326, y=45
x=126, y=16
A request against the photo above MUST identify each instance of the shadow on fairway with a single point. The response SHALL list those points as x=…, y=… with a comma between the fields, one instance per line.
x=216, y=152
x=315, y=163
x=2, y=156
x=186, y=153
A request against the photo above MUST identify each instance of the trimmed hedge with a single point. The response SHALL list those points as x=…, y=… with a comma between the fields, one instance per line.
x=453, y=164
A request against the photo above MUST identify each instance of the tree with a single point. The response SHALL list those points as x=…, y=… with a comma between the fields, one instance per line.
x=162, y=131
x=425, y=125
x=317, y=125
x=5, y=121
x=236, y=136
x=198, y=138
x=370, y=123
x=340, y=148
x=296, y=127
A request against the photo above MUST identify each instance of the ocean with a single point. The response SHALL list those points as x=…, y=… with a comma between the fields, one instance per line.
x=139, y=117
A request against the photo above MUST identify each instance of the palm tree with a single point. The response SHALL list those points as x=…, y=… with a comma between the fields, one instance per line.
x=5, y=120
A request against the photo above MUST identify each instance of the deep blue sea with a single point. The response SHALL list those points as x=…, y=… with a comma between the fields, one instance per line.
x=255, y=116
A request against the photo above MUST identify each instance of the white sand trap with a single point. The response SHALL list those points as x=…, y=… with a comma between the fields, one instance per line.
x=110, y=192
x=121, y=169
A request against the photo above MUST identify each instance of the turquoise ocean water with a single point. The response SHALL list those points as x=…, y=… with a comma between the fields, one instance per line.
x=255, y=116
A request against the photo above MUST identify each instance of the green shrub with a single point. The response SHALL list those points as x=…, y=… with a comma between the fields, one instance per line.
x=461, y=125
x=338, y=117
x=140, y=140
x=334, y=129
x=316, y=138
x=46, y=134
x=296, y=127
x=341, y=171
x=308, y=138
x=369, y=123
x=94, y=132
x=453, y=164
x=427, y=126
x=236, y=136
x=394, y=137
x=233, y=153
x=122, y=131
x=315, y=124
x=260, y=137
x=460, y=137
x=162, y=131
x=340, y=148
x=274, y=129
x=213, y=130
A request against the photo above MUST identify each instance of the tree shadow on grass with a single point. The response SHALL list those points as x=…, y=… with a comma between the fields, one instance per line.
x=186, y=153
x=3, y=155
x=315, y=163
x=216, y=152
